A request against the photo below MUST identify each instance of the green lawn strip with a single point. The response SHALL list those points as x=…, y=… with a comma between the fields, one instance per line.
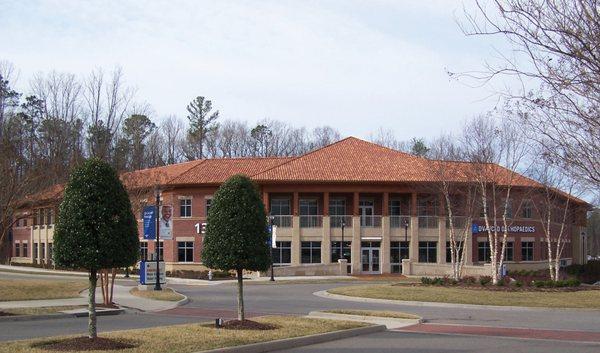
x=31, y=289
x=197, y=337
x=301, y=281
x=578, y=299
x=41, y=310
x=375, y=313
x=166, y=294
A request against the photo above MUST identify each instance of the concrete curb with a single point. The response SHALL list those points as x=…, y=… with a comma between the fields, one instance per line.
x=286, y=343
x=59, y=316
x=389, y=322
x=326, y=294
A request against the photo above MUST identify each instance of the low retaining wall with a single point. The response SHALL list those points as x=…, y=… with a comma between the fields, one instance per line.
x=335, y=269
x=435, y=269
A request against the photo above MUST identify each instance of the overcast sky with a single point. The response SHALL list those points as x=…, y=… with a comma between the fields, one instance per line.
x=354, y=65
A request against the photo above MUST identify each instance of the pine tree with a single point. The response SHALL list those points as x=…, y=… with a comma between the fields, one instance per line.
x=96, y=228
x=236, y=233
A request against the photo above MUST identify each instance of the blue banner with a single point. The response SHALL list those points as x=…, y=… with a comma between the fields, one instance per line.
x=149, y=222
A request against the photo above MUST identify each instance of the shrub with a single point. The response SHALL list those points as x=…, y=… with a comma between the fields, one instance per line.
x=518, y=284
x=485, y=280
x=469, y=280
x=573, y=282
x=425, y=280
x=437, y=281
x=574, y=270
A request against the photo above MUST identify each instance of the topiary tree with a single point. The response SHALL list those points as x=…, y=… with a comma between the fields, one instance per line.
x=96, y=228
x=236, y=232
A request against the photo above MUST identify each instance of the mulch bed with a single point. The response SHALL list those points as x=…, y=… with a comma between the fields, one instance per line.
x=85, y=344
x=3, y=313
x=247, y=325
x=506, y=288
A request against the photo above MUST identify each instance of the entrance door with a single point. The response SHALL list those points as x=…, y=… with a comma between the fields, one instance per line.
x=370, y=258
x=366, y=209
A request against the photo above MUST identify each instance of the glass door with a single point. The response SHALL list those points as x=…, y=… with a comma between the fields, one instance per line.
x=369, y=257
x=366, y=209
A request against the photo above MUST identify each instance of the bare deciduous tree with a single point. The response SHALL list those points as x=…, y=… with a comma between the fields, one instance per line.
x=555, y=58
x=496, y=150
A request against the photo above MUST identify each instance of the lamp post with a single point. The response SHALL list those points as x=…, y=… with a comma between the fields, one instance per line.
x=157, y=284
x=271, y=219
x=343, y=224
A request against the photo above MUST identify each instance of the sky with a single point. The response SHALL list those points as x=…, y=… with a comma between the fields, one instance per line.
x=354, y=65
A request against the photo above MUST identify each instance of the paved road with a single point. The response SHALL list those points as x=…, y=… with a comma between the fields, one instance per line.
x=208, y=302
x=299, y=299
x=398, y=342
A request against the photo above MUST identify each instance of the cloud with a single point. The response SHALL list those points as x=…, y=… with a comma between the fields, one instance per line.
x=353, y=65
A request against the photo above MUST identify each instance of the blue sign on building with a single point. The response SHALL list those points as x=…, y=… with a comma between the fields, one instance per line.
x=149, y=222
x=475, y=229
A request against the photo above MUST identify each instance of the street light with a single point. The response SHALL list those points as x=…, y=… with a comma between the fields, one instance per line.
x=157, y=284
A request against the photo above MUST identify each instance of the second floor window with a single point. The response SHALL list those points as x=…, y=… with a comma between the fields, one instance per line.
x=185, y=207
x=527, y=211
x=280, y=207
x=207, y=204
x=49, y=216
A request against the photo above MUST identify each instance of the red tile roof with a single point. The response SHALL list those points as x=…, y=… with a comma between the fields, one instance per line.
x=216, y=171
x=350, y=160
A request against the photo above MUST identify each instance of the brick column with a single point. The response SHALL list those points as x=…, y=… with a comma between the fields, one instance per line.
x=413, y=252
x=385, y=230
x=326, y=238
x=355, y=245
x=295, y=240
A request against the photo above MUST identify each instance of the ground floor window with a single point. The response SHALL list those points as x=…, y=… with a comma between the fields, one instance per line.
x=428, y=251
x=43, y=257
x=398, y=251
x=282, y=254
x=160, y=251
x=185, y=251
x=526, y=251
x=17, y=249
x=311, y=252
x=143, y=251
x=50, y=252
x=459, y=250
x=509, y=252
x=24, y=250
x=346, y=249
x=35, y=251
x=483, y=251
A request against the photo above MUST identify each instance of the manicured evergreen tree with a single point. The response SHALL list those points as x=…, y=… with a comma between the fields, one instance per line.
x=236, y=232
x=96, y=228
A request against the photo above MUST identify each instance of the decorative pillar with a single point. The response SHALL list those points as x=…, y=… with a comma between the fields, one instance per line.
x=326, y=238
x=413, y=251
x=385, y=236
x=295, y=231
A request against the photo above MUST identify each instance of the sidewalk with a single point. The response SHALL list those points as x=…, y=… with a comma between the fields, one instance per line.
x=121, y=296
x=175, y=280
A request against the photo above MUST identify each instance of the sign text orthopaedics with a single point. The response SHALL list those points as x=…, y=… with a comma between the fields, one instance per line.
x=511, y=229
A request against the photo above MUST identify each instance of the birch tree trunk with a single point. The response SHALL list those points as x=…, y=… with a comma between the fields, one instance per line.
x=240, y=298
x=92, y=329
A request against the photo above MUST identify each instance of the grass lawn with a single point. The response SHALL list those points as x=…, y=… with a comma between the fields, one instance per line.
x=30, y=289
x=41, y=310
x=166, y=294
x=198, y=337
x=580, y=299
x=376, y=313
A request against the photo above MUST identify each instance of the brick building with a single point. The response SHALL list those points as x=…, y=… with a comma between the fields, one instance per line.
x=382, y=202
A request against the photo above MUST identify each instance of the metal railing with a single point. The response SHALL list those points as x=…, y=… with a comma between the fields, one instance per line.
x=336, y=221
x=399, y=221
x=370, y=221
x=283, y=221
x=315, y=221
x=429, y=222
